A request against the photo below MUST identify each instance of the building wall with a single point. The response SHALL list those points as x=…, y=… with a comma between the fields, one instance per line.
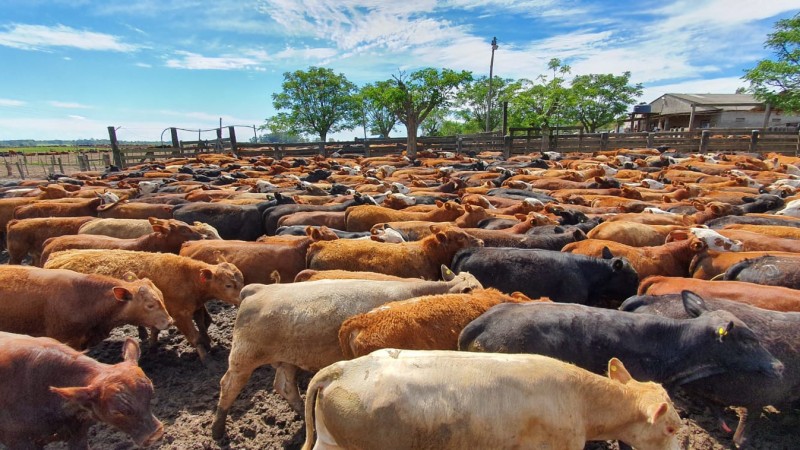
x=747, y=119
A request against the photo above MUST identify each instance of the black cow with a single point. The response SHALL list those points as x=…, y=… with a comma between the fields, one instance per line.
x=769, y=270
x=273, y=214
x=779, y=332
x=231, y=221
x=721, y=222
x=300, y=230
x=552, y=241
x=761, y=203
x=669, y=351
x=558, y=229
x=564, y=277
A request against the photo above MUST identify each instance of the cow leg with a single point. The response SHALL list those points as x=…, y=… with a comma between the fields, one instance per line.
x=230, y=386
x=202, y=319
x=286, y=385
x=738, y=436
x=185, y=325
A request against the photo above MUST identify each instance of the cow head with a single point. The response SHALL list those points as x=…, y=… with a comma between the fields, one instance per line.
x=223, y=281
x=463, y=283
x=120, y=396
x=142, y=302
x=659, y=422
x=730, y=346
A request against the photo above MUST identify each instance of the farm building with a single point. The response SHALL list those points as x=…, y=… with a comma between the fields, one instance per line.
x=693, y=111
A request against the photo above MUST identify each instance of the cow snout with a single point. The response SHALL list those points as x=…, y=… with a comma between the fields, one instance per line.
x=154, y=437
x=775, y=369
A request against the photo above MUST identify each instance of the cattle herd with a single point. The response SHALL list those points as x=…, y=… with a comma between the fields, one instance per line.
x=443, y=301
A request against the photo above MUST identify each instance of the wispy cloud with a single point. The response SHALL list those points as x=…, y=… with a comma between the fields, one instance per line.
x=40, y=37
x=145, y=65
x=10, y=102
x=195, y=61
x=76, y=117
x=69, y=105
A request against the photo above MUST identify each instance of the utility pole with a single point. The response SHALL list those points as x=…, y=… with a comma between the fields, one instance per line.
x=489, y=97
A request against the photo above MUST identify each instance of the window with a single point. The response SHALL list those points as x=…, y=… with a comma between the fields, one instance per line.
x=739, y=120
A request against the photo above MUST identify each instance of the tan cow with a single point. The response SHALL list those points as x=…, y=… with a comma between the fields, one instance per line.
x=406, y=399
x=296, y=326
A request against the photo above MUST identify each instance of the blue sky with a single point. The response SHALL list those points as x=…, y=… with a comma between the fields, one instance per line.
x=70, y=68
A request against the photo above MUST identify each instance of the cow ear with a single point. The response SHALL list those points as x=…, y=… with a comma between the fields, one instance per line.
x=693, y=304
x=122, y=294
x=129, y=277
x=441, y=237
x=131, y=351
x=521, y=217
x=617, y=265
x=655, y=411
x=447, y=274
x=748, y=199
x=275, y=277
x=439, y=203
x=617, y=372
x=716, y=209
x=206, y=275
x=606, y=253
x=81, y=396
x=468, y=207
x=313, y=233
x=219, y=257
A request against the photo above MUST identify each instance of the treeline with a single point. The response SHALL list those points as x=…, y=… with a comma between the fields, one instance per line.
x=316, y=102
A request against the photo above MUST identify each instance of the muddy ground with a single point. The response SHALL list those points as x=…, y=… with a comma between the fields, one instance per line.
x=186, y=394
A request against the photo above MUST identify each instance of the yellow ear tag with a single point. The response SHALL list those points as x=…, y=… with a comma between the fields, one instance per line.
x=613, y=368
x=449, y=272
x=722, y=332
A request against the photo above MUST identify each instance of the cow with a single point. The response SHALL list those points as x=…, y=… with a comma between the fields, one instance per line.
x=231, y=221
x=134, y=210
x=633, y=234
x=404, y=399
x=775, y=298
x=562, y=277
x=408, y=260
x=296, y=327
x=167, y=236
x=668, y=351
x=362, y=218
x=26, y=236
x=780, y=333
x=75, y=308
x=187, y=284
x=52, y=392
x=134, y=228
x=769, y=270
x=712, y=265
x=78, y=207
x=671, y=259
x=762, y=242
x=422, y=323
x=312, y=275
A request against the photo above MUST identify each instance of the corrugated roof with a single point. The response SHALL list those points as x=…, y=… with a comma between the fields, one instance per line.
x=717, y=99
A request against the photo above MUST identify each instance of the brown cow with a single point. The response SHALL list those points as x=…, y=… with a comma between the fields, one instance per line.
x=762, y=242
x=363, y=217
x=408, y=260
x=671, y=259
x=52, y=393
x=78, y=207
x=422, y=323
x=135, y=210
x=27, y=236
x=134, y=228
x=633, y=234
x=768, y=230
x=187, y=284
x=167, y=237
x=775, y=298
x=75, y=308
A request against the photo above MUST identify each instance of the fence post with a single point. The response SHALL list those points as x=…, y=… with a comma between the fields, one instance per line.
x=753, y=140
x=545, y=139
x=106, y=160
x=603, y=141
x=459, y=145
x=367, y=151
x=234, y=146
x=507, y=142
x=112, y=135
x=651, y=139
x=61, y=166
x=797, y=149
x=21, y=172
x=705, y=138
x=173, y=132
x=8, y=166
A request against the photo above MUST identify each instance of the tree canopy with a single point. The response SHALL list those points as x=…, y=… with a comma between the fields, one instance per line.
x=412, y=97
x=375, y=114
x=317, y=101
x=600, y=99
x=777, y=81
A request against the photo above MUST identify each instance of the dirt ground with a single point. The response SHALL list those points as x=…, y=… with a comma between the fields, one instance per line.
x=187, y=393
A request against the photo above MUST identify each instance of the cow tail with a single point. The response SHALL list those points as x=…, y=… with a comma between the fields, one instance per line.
x=320, y=380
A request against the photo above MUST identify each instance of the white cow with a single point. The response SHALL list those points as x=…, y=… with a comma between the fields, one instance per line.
x=410, y=399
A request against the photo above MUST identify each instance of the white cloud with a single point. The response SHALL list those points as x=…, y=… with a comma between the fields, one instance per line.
x=194, y=61
x=145, y=65
x=76, y=117
x=40, y=37
x=10, y=102
x=69, y=105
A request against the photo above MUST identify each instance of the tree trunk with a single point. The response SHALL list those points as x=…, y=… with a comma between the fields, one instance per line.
x=322, y=139
x=411, y=143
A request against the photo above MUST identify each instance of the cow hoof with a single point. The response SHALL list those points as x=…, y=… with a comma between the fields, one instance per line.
x=218, y=429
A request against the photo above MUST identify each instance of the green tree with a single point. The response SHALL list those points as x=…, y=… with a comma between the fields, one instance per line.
x=599, y=99
x=373, y=110
x=472, y=103
x=317, y=101
x=777, y=82
x=541, y=103
x=413, y=97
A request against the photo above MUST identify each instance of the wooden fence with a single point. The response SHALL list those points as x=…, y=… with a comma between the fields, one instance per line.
x=40, y=165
